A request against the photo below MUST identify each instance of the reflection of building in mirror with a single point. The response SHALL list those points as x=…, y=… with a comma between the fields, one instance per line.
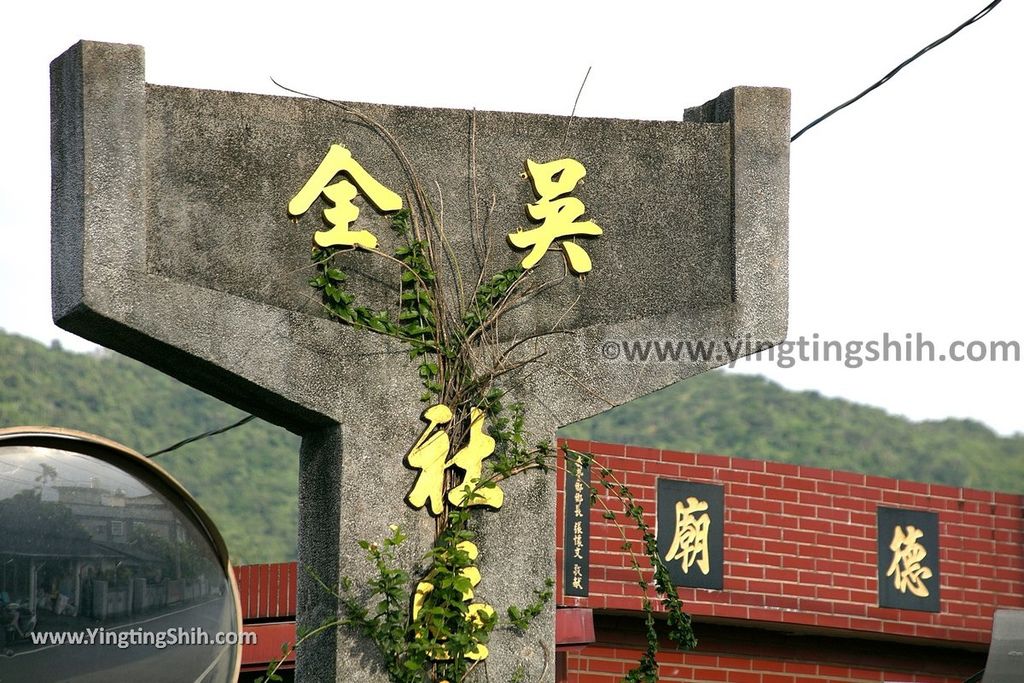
x=72, y=549
x=108, y=569
x=83, y=544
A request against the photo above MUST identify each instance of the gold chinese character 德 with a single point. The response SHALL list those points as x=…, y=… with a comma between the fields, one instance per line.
x=475, y=612
x=906, y=568
x=558, y=214
x=430, y=456
x=343, y=212
x=690, y=543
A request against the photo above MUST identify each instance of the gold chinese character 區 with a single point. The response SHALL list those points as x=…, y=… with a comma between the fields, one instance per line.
x=430, y=456
x=475, y=612
x=906, y=569
x=343, y=212
x=558, y=214
x=690, y=543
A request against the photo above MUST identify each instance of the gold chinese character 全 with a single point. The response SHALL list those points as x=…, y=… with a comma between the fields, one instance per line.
x=557, y=214
x=906, y=569
x=690, y=543
x=475, y=612
x=430, y=456
x=343, y=212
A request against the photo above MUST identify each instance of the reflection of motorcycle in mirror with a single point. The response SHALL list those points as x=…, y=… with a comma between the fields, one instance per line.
x=17, y=622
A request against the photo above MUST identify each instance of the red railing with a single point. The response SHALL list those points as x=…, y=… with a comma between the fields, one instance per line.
x=267, y=594
x=267, y=591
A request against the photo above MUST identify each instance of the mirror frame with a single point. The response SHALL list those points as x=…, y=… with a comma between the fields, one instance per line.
x=144, y=469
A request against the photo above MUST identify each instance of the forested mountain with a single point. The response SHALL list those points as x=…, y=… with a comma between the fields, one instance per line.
x=247, y=478
x=752, y=417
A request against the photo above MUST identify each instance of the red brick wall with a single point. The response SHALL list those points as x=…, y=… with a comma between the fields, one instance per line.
x=599, y=664
x=800, y=547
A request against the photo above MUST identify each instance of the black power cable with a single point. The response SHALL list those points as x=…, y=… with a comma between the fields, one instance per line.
x=200, y=437
x=885, y=79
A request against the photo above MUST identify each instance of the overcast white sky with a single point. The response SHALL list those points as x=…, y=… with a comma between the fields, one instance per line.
x=904, y=208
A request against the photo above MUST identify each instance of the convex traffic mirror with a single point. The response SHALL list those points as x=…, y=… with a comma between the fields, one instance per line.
x=109, y=570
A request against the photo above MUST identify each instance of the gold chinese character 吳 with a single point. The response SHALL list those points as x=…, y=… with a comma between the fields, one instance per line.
x=475, y=612
x=558, y=214
x=906, y=568
x=343, y=212
x=430, y=456
x=690, y=543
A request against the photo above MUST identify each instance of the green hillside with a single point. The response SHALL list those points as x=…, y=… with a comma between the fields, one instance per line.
x=753, y=417
x=247, y=478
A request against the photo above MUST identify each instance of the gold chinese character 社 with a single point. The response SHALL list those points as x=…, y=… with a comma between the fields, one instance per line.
x=343, y=212
x=557, y=214
x=690, y=543
x=906, y=569
x=430, y=456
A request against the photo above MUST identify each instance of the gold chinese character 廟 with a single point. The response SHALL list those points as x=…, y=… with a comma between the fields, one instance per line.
x=343, y=212
x=690, y=543
x=558, y=214
x=906, y=569
x=430, y=456
x=475, y=612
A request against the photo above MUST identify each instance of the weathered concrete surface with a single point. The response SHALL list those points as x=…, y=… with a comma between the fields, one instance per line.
x=171, y=244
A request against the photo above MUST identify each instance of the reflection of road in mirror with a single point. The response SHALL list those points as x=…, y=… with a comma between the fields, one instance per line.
x=101, y=663
x=102, y=578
